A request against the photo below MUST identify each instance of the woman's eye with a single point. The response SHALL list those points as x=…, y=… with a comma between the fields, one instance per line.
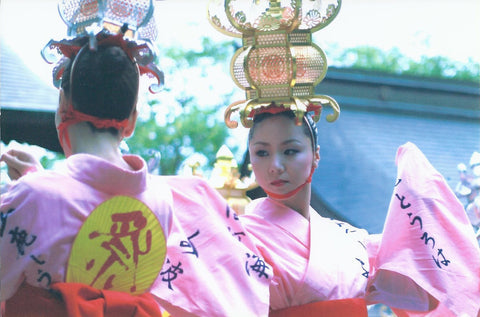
x=261, y=153
x=291, y=152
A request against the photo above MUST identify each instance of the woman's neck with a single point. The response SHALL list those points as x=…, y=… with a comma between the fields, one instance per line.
x=300, y=202
x=102, y=144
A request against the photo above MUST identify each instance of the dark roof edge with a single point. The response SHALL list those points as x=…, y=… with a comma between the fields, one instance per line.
x=366, y=104
x=372, y=77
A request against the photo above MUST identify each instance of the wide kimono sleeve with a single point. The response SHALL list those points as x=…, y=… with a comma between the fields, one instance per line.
x=427, y=262
x=15, y=238
x=212, y=267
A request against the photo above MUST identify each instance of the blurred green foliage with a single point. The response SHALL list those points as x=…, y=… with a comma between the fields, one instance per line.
x=199, y=129
x=186, y=128
x=394, y=62
x=194, y=130
x=177, y=127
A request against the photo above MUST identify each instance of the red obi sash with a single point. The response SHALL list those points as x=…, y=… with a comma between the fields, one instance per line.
x=354, y=307
x=76, y=300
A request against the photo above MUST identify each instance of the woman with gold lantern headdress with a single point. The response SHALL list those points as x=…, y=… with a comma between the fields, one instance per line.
x=325, y=267
x=103, y=237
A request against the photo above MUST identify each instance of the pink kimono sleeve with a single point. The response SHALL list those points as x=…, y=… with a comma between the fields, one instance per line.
x=428, y=258
x=212, y=267
x=13, y=205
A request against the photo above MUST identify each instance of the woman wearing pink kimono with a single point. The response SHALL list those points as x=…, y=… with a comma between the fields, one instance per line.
x=91, y=239
x=65, y=235
x=426, y=262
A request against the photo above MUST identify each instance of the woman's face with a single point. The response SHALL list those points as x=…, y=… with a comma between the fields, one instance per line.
x=281, y=155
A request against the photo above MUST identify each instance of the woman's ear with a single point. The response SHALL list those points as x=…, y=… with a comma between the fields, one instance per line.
x=62, y=106
x=62, y=101
x=316, y=157
x=132, y=121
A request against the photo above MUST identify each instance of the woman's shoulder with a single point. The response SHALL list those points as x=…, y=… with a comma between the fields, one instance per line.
x=40, y=181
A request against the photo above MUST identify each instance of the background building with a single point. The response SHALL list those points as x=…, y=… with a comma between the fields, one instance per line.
x=357, y=171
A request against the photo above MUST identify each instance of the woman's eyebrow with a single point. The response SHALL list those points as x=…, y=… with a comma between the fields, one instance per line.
x=291, y=141
x=261, y=143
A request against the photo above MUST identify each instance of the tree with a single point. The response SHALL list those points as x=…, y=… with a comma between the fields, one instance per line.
x=179, y=125
x=181, y=121
x=394, y=62
x=176, y=124
x=194, y=130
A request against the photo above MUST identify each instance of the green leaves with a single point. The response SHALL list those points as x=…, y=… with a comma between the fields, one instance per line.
x=187, y=118
x=179, y=123
x=394, y=62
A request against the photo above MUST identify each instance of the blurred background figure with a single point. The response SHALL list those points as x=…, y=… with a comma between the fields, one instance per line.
x=468, y=189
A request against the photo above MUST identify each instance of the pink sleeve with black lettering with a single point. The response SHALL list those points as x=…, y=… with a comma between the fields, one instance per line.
x=14, y=240
x=428, y=258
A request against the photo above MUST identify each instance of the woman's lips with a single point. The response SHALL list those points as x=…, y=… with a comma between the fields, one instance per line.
x=278, y=182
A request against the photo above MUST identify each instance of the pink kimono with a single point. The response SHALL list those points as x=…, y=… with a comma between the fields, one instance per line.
x=85, y=223
x=426, y=262
x=211, y=267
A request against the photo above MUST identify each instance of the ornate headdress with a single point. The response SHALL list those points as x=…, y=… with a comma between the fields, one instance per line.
x=128, y=24
x=278, y=66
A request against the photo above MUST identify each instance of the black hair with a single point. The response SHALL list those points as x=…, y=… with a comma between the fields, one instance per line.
x=308, y=124
x=102, y=83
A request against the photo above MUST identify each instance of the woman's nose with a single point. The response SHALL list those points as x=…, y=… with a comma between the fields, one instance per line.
x=276, y=165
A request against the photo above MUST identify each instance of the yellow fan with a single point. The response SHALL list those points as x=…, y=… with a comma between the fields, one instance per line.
x=121, y=246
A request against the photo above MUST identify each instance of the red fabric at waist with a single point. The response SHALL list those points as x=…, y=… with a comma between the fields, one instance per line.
x=76, y=300
x=354, y=307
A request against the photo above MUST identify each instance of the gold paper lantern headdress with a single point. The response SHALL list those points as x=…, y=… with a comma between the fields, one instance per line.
x=129, y=24
x=278, y=65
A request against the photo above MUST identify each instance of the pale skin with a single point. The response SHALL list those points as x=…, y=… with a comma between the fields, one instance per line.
x=20, y=163
x=85, y=140
x=282, y=159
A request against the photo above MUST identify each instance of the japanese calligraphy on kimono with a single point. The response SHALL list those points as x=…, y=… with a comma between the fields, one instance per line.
x=425, y=263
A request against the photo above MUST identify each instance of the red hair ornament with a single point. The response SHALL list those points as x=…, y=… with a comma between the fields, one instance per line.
x=138, y=53
x=127, y=24
x=72, y=116
x=141, y=52
x=316, y=109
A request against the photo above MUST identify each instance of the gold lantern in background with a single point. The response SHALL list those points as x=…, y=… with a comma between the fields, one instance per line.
x=277, y=63
x=226, y=179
